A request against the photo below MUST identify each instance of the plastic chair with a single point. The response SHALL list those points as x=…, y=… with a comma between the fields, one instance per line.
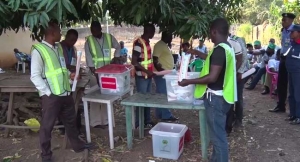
x=274, y=79
x=20, y=62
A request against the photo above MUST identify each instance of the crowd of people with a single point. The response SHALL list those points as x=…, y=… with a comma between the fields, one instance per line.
x=220, y=83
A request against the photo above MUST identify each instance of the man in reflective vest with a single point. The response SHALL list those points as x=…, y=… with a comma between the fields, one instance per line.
x=98, y=53
x=293, y=69
x=51, y=78
x=217, y=84
x=142, y=61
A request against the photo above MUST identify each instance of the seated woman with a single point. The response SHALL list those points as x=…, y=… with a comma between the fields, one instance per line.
x=23, y=57
x=273, y=66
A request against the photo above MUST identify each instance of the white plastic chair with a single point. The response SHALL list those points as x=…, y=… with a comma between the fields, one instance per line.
x=23, y=66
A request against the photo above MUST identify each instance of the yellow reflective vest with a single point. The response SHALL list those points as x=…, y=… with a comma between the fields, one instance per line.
x=229, y=87
x=55, y=71
x=101, y=53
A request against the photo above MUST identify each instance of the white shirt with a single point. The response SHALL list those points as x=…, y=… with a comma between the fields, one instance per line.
x=273, y=64
x=37, y=72
x=238, y=50
x=235, y=45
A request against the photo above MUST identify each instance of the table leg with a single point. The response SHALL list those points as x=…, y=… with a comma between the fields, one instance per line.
x=128, y=112
x=113, y=115
x=142, y=119
x=110, y=125
x=203, y=134
x=87, y=121
x=133, y=117
x=9, y=112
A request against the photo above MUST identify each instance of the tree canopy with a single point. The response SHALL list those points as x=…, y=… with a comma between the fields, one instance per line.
x=184, y=18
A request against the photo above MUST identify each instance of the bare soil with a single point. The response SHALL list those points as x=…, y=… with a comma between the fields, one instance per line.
x=265, y=137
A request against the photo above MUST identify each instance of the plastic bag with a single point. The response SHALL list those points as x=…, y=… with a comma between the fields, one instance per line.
x=32, y=122
x=185, y=59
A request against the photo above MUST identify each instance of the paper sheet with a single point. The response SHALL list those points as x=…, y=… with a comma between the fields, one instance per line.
x=79, y=53
x=185, y=60
x=247, y=73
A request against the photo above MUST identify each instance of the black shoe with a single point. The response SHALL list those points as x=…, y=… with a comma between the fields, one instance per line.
x=295, y=122
x=172, y=118
x=265, y=92
x=290, y=118
x=101, y=126
x=277, y=109
x=249, y=88
x=47, y=160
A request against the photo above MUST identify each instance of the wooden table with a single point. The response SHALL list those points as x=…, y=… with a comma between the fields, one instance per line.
x=22, y=83
x=160, y=101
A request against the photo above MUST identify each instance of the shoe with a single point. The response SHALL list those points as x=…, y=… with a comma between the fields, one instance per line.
x=249, y=88
x=290, y=118
x=277, y=109
x=238, y=124
x=172, y=118
x=49, y=160
x=295, y=122
x=101, y=126
x=265, y=92
x=89, y=146
x=147, y=126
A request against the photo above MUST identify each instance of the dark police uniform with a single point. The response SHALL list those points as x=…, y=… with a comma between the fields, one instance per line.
x=293, y=69
x=282, y=73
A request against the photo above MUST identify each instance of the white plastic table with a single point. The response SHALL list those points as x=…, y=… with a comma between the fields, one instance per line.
x=97, y=97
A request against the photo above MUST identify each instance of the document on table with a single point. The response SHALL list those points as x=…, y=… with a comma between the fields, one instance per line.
x=184, y=65
x=79, y=53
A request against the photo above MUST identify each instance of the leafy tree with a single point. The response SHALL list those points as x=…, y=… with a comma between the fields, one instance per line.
x=185, y=18
x=35, y=14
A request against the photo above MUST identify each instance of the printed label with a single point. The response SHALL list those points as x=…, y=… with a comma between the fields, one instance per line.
x=62, y=62
x=108, y=83
x=106, y=52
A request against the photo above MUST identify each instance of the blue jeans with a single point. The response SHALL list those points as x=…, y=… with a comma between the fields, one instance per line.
x=143, y=86
x=216, y=109
x=257, y=77
x=161, y=88
x=294, y=96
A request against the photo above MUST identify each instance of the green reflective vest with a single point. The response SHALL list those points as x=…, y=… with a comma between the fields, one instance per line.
x=101, y=53
x=229, y=87
x=54, y=69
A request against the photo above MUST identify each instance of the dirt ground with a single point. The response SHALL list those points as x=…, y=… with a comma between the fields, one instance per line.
x=265, y=137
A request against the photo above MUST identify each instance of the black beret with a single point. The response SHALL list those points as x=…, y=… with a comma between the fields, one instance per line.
x=289, y=15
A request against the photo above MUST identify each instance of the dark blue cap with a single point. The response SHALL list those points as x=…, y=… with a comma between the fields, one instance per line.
x=295, y=28
x=289, y=15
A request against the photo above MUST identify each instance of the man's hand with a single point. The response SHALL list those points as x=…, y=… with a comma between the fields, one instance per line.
x=239, y=77
x=191, y=51
x=184, y=82
x=72, y=76
x=150, y=74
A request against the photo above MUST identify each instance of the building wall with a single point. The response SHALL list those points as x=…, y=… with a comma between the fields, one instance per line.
x=11, y=40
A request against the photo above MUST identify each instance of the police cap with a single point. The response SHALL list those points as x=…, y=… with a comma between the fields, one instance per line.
x=289, y=15
x=296, y=28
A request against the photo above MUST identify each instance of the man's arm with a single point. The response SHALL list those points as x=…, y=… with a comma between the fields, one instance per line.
x=197, y=53
x=116, y=45
x=257, y=52
x=36, y=77
x=156, y=55
x=89, y=58
x=217, y=60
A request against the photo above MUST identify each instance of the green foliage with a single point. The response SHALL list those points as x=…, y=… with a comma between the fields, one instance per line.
x=245, y=30
x=184, y=18
x=35, y=14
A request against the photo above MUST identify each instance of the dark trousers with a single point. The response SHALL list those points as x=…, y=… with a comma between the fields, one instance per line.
x=257, y=77
x=294, y=94
x=282, y=85
x=52, y=108
x=236, y=110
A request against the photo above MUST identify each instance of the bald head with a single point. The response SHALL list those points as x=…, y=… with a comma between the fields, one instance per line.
x=53, y=32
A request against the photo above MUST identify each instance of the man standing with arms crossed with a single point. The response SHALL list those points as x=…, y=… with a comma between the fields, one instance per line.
x=217, y=84
x=287, y=25
x=98, y=53
x=51, y=78
x=142, y=61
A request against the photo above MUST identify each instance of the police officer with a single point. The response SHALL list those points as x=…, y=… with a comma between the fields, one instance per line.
x=293, y=69
x=287, y=25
